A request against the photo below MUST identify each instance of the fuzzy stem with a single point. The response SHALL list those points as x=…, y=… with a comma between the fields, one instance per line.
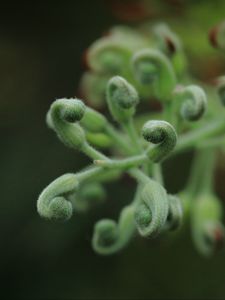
x=131, y=131
x=157, y=173
x=92, y=152
x=88, y=173
x=118, y=139
x=139, y=176
x=123, y=163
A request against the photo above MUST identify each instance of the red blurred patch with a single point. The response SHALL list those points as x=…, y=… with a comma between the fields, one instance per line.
x=213, y=36
x=84, y=59
x=130, y=10
x=219, y=237
x=170, y=45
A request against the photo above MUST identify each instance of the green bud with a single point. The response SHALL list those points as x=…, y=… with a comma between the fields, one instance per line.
x=110, y=237
x=99, y=140
x=161, y=133
x=108, y=56
x=152, y=66
x=122, y=98
x=194, y=102
x=151, y=214
x=53, y=202
x=93, y=121
x=62, y=117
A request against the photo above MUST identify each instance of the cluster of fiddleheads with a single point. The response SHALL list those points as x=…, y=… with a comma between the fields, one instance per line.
x=128, y=68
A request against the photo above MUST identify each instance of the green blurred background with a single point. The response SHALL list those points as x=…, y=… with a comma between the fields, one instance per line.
x=41, y=46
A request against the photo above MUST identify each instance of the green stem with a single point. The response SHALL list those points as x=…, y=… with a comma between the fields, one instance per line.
x=157, y=173
x=139, y=176
x=123, y=163
x=201, y=175
x=95, y=172
x=212, y=143
x=118, y=139
x=169, y=113
x=88, y=173
x=207, y=181
x=92, y=152
x=190, y=140
x=134, y=138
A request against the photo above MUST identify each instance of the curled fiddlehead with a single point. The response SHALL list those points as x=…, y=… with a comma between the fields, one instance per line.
x=163, y=135
x=110, y=237
x=175, y=214
x=170, y=44
x=151, y=213
x=168, y=40
x=122, y=98
x=208, y=232
x=153, y=67
x=217, y=36
x=53, y=201
x=92, y=88
x=194, y=102
x=108, y=55
x=62, y=118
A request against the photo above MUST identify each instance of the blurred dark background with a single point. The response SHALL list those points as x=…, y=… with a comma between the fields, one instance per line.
x=41, y=46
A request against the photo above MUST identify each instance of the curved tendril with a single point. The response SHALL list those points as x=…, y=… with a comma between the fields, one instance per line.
x=92, y=88
x=208, y=232
x=220, y=83
x=121, y=98
x=217, y=36
x=168, y=40
x=52, y=202
x=62, y=117
x=175, y=215
x=194, y=102
x=151, y=213
x=108, y=55
x=153, y=67
x=161, y=133
x=110, y=237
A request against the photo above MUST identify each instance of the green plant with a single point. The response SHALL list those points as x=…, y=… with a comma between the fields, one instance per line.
x=185, y=121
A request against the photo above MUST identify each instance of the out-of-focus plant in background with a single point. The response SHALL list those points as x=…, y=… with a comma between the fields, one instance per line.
x=41, y=50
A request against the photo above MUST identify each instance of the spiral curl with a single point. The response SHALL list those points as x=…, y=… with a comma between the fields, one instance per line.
x=194, y=102
x=175, y=214
x=122, y=98
x=62, y=118
x=53, y=201
x=110, y=237
x=151, y=214
x=161, y=133
x=168, y=40
x=153, y=67
x=108, y=56
x=92, y=87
